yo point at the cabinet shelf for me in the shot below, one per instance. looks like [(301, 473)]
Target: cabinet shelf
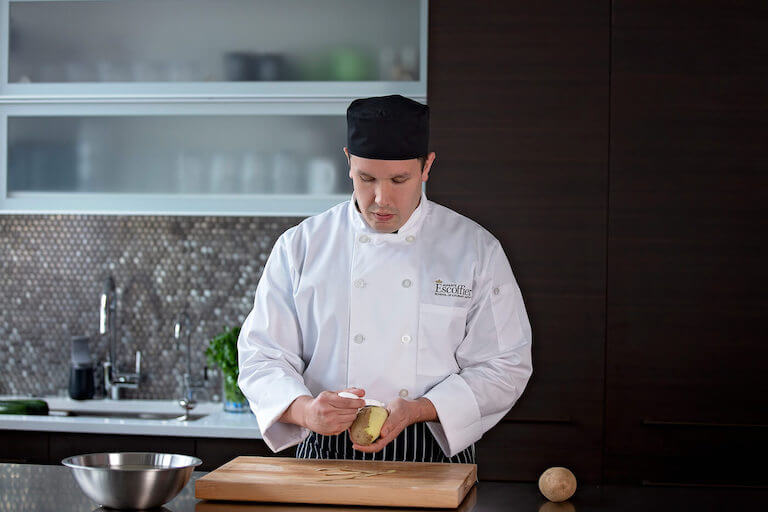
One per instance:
[(305, 92), (284, 205)]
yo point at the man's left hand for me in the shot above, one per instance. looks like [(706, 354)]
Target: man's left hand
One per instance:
[(402, 413)]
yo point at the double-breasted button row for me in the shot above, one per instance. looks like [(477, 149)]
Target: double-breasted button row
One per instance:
[(360, 283), (364, 239), (359, 338)]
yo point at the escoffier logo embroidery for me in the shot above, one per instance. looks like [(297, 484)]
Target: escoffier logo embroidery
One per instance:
[(452, 290)]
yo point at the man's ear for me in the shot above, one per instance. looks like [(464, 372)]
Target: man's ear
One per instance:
[(349, 161), (427, 166)]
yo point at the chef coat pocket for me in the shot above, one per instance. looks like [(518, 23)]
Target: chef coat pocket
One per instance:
[(441, 330)]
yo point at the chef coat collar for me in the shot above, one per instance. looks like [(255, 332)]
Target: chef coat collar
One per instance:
[(411, 226)]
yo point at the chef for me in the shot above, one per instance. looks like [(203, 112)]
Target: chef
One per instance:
[(390, 297)]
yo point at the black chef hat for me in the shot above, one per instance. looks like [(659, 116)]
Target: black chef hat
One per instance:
[(388, 128)]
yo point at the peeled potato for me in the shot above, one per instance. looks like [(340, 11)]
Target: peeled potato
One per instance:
[(557, 484), (367, 426)]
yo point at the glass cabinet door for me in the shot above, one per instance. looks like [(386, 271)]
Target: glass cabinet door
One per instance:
[(213, 45), (268, 158), (172, 154)]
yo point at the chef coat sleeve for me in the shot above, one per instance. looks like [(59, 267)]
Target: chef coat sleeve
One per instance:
[(494, 360), (269, 353)]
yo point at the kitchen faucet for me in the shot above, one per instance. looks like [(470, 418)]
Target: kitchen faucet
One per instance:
[(114, 380), (188, 402)]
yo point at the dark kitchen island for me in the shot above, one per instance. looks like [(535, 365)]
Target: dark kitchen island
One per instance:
[(31, 487)]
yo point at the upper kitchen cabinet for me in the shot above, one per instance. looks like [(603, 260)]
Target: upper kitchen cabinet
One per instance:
[(280, 48), (193, 106)]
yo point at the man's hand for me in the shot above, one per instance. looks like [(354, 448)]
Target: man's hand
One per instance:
[(402, 413), (330, 414)]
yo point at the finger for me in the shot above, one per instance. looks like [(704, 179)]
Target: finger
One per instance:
[(380, 443), (357, 391), (346, 420), (345, 403), (389, 426), (336, 416), (370, 448)]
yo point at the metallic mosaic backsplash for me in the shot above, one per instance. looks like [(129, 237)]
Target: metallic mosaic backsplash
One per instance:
[(52, 272)]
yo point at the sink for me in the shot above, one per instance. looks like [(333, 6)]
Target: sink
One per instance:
[(128, 415)]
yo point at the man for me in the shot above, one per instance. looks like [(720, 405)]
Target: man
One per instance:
[(391, 297)]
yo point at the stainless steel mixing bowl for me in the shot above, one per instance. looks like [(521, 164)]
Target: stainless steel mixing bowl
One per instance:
[(132, 480)]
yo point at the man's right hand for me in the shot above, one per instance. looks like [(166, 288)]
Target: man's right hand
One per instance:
[(330, 414)]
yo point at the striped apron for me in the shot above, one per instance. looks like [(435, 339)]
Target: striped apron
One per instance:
[(414, 444)]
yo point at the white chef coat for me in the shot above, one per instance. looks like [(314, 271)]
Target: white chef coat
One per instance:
[(433, 310)]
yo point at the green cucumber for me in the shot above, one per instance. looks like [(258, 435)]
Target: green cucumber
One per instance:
[(38, 407)]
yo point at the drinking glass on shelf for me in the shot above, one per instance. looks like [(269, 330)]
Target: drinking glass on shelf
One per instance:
[(321, 176), (79, 71), (287, 173), (179, 71), (50, 72), (224, 177), (254, 178), (109, 71), (148, 71), (189, 172), (409, 60)]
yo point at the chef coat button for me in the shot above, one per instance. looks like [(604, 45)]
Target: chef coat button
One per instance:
[(359, 338), (360, 283), (406, 339), (496, 291), (410, 238), (515, 359), (403, 393), (406, 283), (364, 239)]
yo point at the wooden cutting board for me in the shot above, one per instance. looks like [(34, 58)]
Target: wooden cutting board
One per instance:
[(468, 505), (339, 482)]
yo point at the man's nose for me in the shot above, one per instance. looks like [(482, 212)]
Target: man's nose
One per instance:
[(383, 195)]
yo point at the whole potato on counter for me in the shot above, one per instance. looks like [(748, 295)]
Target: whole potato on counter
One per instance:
[(557, 484)]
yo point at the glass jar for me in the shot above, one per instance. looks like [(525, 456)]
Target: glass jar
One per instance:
[(231, 396)]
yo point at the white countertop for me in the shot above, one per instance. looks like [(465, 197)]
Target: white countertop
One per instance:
[(216, 423)]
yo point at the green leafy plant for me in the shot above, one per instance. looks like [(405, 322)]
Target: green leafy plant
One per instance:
[(222, 351)]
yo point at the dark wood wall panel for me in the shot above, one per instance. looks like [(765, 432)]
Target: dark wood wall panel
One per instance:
[(215, 452), (687, 253), (518, 93), (65, 444), (515, 451)]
